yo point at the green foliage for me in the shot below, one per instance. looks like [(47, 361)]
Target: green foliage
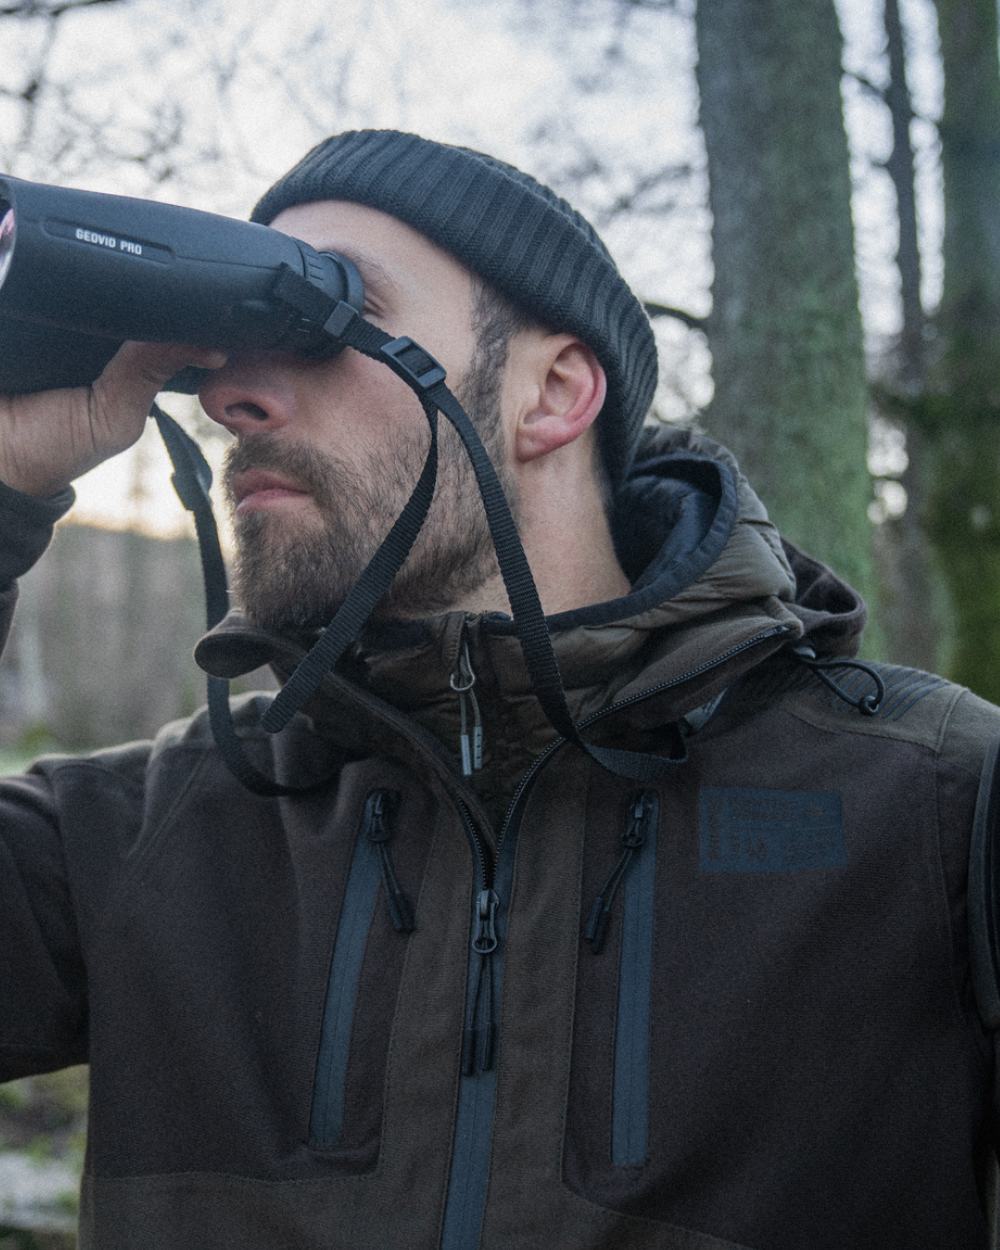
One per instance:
[(13, 1097), (34, 741), (50, 1108), (43, 1118), (22, 1239)]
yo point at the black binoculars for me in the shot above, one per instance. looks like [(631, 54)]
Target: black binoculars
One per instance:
[(81, 272)]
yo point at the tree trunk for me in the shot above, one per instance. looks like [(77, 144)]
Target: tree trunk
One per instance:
[(785, 330), (901, 167), (914, 598), (964, 505)]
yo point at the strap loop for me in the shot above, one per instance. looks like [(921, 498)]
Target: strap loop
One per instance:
[(425, 376)]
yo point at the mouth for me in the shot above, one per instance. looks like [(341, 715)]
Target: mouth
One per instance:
[(260, 488)]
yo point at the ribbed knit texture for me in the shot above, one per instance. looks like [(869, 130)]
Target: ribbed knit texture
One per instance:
[(512, 231)]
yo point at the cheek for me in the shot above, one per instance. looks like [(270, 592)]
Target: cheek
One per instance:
[(357, 402)]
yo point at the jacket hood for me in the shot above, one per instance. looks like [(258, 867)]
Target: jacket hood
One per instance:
[(650, 523), (709, 574)]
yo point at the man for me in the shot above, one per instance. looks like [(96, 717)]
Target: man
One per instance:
[(700, 980)]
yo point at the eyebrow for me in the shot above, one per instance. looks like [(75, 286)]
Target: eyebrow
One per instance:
[(373, 272)]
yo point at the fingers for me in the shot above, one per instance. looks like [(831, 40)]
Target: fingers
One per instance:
[(138, 372), (49, 438)]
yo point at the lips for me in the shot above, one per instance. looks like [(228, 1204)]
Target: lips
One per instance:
[(257, 488)]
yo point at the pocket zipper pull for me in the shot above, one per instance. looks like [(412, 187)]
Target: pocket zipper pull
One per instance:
[(379, 830), (632, 839)]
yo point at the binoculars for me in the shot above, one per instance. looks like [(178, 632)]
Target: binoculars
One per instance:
[(81, 272)]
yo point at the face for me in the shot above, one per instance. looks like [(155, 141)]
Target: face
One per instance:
[(327, 452)]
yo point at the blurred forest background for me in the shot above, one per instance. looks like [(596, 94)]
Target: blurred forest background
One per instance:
[(806, 196)]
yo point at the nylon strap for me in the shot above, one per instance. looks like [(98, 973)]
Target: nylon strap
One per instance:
[(192, 480), (418, 369)]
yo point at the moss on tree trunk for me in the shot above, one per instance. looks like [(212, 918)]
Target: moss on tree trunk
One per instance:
[(785, 331), (964, 415)]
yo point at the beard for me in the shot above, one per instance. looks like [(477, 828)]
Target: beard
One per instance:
[(291, 574)]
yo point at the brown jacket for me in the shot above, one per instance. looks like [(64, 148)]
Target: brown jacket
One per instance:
[(539, 1006)]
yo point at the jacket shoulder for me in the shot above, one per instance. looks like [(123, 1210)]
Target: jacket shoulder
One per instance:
[(971, 730), (297, 756), (118, 790), (959, 736), (915, 706), (976, 734), (194, 733)]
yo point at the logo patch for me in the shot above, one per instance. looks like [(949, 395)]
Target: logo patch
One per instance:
[(749, 830)]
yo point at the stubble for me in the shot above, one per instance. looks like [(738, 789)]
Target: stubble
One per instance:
[(293, 571)]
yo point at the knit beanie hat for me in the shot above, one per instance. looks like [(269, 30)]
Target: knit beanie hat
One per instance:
[(513, 232)]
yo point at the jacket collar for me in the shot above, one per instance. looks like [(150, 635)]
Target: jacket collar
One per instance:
[(709, 575)]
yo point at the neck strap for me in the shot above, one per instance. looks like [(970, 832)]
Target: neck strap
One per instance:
[(425, 377)]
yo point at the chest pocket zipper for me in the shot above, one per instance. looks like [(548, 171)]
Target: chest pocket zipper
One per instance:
[(378, 828), (371, 864), (634, 877)]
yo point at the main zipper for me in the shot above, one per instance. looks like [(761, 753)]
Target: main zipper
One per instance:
[(479, 1033), (479, 1040), (468, 1180), (485, 857), (777, 631)]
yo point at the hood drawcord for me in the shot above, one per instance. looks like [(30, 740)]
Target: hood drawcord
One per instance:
[(866, 704), (463, 681)]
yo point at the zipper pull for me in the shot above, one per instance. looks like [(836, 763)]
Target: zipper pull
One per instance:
[(484, 940), (479, 1038), (462, 681), (643, 806), (378, 810)]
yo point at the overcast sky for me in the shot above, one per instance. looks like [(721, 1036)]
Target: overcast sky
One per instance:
[(233, 93)]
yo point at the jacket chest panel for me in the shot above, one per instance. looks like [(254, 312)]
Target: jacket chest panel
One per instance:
[(260, 1038), (771, 1010), (671, 1089)]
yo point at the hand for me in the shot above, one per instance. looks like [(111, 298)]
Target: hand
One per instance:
[(49, 438)]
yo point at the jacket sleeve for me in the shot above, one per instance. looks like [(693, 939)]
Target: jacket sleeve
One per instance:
[(26, 527), (42, 981), (984, 889), (42, 1000)]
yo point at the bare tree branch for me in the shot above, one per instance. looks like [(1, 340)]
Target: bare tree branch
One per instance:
[(637, 198), (870, 87), (32, 8), (31, 93), (667, 310)]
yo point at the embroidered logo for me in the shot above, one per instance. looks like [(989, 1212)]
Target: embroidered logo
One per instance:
[(749, 830)]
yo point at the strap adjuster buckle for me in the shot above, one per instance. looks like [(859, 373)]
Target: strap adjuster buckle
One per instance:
[(413, 363), (340, 319)]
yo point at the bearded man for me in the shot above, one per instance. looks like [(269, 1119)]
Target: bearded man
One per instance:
[(690, 947)]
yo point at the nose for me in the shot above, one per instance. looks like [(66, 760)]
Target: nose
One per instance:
[(249, 394)]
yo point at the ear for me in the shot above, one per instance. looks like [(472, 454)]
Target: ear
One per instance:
[(570, 394)]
